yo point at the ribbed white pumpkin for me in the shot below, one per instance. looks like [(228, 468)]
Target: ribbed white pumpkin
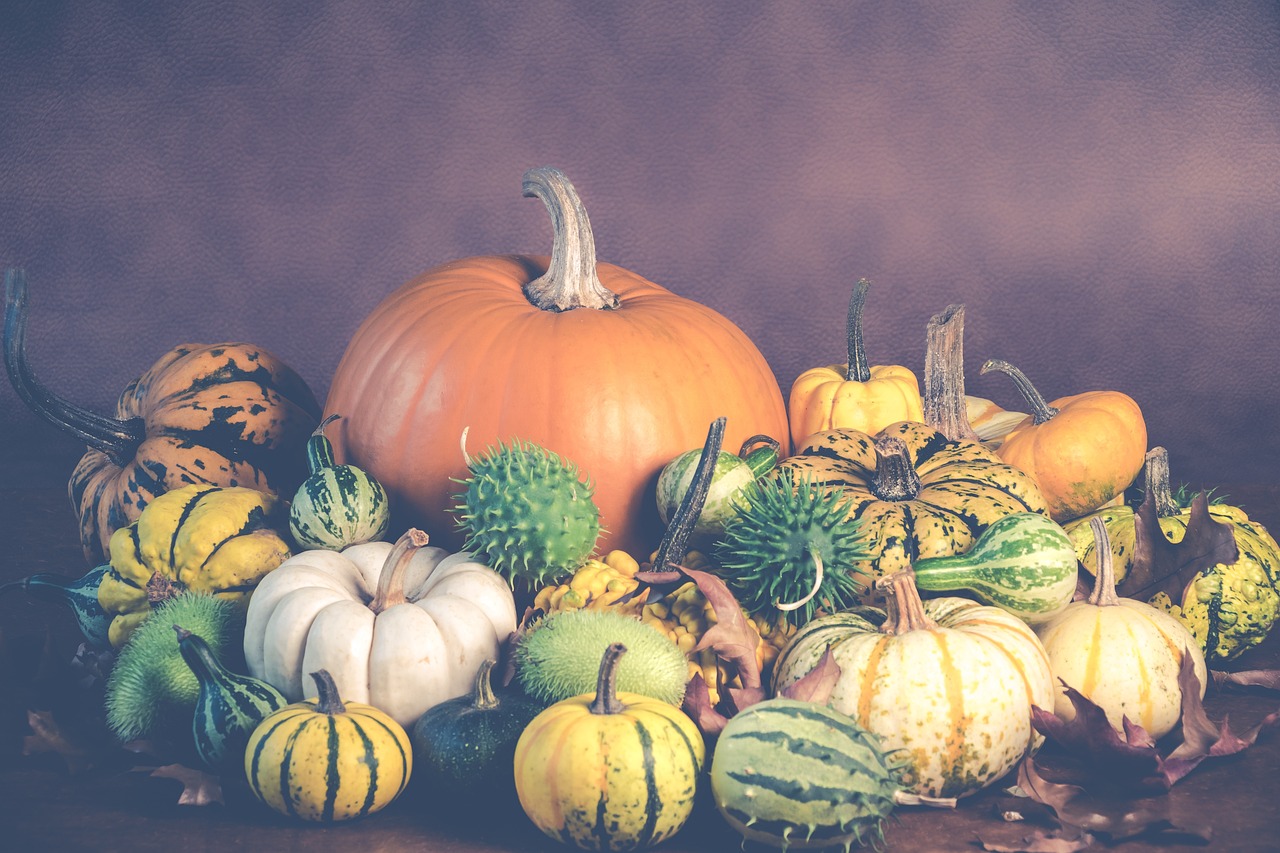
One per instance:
[(949, 682), (1122, 655), (400, 627)]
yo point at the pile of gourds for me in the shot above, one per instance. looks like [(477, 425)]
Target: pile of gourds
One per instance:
[(363, 658)]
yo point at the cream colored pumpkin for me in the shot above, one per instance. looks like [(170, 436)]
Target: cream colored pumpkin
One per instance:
[(1121, 654), (948, 683), (401, 628)]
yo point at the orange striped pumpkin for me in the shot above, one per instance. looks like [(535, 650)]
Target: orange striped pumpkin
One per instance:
[(949, 682)]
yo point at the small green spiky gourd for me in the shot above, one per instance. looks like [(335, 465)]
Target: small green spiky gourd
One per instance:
[(150, 679), (789, 550), (527, 514), (559, 657)]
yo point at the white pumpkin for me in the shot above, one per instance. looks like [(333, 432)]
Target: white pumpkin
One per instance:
[(946, 684), (400, 627), (1121, 654)]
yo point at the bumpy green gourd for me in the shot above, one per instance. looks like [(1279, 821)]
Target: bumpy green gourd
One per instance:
[(337, 505), (789, 550), (527, 514), (796, 775), (229, 706), (559, 657), (1024, 563), (80, 594), (150, 679)]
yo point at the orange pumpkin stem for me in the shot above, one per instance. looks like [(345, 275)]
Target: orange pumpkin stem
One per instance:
[(391, 580), (571, 280), (1156, 477), (857, 370), (606, 701), (906, 610), (328, 701), (896, 478), (118, 439), (944, 407), (1041, 412), (1104, 585)]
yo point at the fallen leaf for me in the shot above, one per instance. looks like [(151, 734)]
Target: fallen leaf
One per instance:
[(816, 684), (697, 704), (1268, 678), (198, 788), (48, 736), (1163, 566), (1045, 841), (1095, 748), (733, 638)]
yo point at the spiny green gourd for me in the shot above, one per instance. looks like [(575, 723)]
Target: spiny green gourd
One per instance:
[(150, 679), (797, 775), (527, 513), (790, 550), (560, 657)]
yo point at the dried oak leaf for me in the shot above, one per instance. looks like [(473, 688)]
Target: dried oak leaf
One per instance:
[(1266, 678), (1095, 747), (697, 704), (1163, 566), (198, 788), (816, 684), (48, 736)]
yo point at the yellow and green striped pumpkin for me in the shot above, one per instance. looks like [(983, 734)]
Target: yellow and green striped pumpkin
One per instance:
[(202, 538), (947, 684), (325, 760), (609, 771), (917, 493)]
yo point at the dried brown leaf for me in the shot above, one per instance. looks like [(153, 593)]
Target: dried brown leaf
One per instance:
[(198, 788), (733, 638), (697, 704), (1163, 566), (816, 684), (1096, 747), (1266, 678), (48, 736)]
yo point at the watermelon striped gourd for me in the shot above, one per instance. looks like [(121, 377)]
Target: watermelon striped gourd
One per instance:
[(80, 594), (325, 760), (1024, 563), (337, 505), (794, 774), (228, 708)]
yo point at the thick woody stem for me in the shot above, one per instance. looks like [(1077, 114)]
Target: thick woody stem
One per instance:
[(1104, 585), (570, 280), (896, 478), (1156, 477), (944, 405), (327, 699), (483, 698), (906, 610), (391, 580), (606, 701), (858, 369), (1040, 410)]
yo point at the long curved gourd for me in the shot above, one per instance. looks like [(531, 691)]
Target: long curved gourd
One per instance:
[(227, 414), (400, 627), (588, 360)]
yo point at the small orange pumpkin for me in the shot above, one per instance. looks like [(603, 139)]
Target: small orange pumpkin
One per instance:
[(1082, 450), (591, 361)]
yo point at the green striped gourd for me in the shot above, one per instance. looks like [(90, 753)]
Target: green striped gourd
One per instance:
[(80, 594), (229, 706), (326, 760), (732, 473), (1024, 563), (793, 774), (337, 505)]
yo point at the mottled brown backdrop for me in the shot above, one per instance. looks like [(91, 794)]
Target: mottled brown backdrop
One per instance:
[(1098, 182)]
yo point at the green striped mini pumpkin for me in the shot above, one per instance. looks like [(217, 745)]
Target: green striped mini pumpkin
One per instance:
[(337, 505), (796, 775), (229, 706), (324, 760)]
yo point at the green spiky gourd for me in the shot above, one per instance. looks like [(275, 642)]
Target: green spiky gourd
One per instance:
[(789, 549), (150, 680), (796, 775), (559, 657), (527, 514)]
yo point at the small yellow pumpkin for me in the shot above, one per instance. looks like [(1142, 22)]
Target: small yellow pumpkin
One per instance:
[(855, 395), (613, 771), (325, 760)]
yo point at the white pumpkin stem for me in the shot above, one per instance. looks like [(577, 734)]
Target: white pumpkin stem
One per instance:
[(1041, 412), (944, 406), (1104, 584), (571, 280), (817, 583), (391, 580), (906, 610)]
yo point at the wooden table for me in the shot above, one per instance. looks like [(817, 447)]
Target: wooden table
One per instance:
[(43, 805)]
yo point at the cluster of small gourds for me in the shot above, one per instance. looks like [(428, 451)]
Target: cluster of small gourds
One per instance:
[(886, 493)]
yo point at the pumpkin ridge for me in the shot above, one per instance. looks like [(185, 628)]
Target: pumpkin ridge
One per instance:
[(653, 799), (332, 778), (394, 738)]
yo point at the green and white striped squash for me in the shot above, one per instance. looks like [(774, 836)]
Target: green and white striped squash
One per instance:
[(325, 760), (229, 706), (80, 594), (797, 775), (731, 475), (949, 682), (337, 505), (1024, 563)]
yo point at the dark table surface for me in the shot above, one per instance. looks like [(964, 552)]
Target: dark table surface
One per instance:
[(43, 805)]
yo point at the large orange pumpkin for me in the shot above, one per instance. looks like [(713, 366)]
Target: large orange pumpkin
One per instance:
[(589, 360)]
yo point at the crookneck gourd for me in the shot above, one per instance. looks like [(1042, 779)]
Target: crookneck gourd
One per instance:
[(916, 492), (199, 538), (229, 414)]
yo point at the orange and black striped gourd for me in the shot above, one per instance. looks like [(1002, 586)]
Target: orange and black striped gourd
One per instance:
[(228, 414), (326, 760)]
